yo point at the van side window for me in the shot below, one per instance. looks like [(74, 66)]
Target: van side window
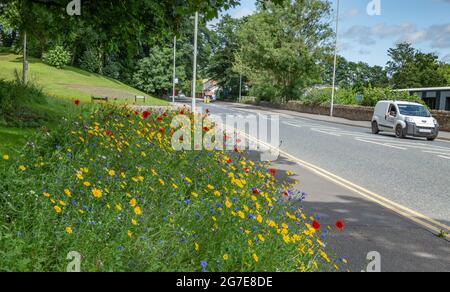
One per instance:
[(392, 110)]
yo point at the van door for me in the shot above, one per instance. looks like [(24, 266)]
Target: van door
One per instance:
[(391, 115)]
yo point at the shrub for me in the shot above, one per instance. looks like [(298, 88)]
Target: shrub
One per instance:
[(18, 104), (57, 57), (249, 100), (369, 96), (90, 61)]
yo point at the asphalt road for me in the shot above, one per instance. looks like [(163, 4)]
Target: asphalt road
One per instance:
[(412, 172)]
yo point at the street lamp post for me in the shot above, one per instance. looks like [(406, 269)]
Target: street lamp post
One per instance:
[(335, 60), (174, 67), (194, 75), (240, 87)]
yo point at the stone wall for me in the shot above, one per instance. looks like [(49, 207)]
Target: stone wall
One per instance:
[(350, 112)]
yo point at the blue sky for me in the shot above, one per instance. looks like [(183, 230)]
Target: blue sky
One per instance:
[(424, 23)]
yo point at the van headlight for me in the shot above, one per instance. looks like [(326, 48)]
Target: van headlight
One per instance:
[(410, 120)]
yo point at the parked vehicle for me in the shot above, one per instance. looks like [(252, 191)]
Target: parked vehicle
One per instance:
[(404, 119)]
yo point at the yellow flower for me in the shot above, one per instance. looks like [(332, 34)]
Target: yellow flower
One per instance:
[(62, 203), (197, 247), (47, 195), (133, 202), (137, 211), (217, 193), (188, 180), (67, 192), (111, 173), (241, 214), (255, 257), (210, 187), (260, 237), (228, 204), (130, 233), (69, 230), (87, 184), (97, 193), (6, 157), (194, 194), (259, 218), (22, 168), (79, 176), (134, 222), (225, 257), (57, 209), (162, 182)]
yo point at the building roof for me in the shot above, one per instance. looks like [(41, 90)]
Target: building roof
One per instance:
[(426, 89)]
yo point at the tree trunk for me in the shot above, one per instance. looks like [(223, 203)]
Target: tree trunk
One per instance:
[(25, 59)]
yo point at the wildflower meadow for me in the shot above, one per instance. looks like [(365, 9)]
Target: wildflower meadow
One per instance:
[(109, 186)]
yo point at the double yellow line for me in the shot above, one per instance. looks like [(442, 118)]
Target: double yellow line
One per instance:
[(432, 225)]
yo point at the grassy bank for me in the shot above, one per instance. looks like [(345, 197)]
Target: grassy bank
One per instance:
[(70, 83), (109, 186)]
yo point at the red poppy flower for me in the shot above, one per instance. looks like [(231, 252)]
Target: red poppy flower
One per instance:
[(247, 170), (160, 119), (316, 225), (161, 130), (273, 171), (236, 150), (109, 133), (182, 112), (286, 194), (145, 114), (229, 161), (340, 225), (136, 113), (77, 102), (207, 111), (165, 114), (255, 191), (206, 129), (225, 137)]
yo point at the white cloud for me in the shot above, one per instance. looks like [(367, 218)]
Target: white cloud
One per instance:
[(436, 35), (241, 13)]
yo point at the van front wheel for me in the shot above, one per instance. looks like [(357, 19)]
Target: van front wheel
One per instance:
[(375, 129), (400, 132)]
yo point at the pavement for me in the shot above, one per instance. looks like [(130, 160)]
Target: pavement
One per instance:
[(393, 194)]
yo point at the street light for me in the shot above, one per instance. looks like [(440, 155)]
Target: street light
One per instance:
[(174, 67), (335, 60), (194, 75), (240, 87)]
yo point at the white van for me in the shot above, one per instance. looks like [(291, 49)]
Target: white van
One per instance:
[(404, 119)]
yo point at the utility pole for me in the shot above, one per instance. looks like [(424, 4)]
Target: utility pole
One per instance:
[(174, 67), (194, 75), (240, 87), (25, 59), (335, 60)]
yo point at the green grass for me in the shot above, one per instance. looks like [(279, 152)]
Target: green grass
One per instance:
[(65, 83), (11, 138)]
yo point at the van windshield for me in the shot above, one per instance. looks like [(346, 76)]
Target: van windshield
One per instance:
[(414, 110)]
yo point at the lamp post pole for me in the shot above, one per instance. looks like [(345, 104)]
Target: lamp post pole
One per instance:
[(194, 75), (174, 67), (335, 60)]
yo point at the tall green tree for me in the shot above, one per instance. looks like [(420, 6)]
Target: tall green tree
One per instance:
[(281, 46), (411, 68), (224, 47)]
